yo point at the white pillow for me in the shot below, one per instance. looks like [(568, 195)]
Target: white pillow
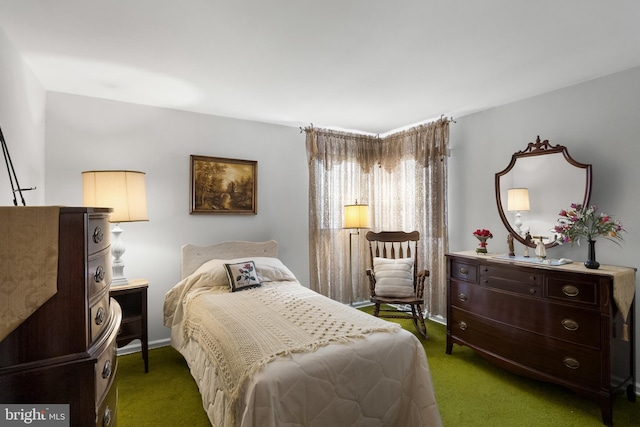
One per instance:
[(394, 277), (269, 269), (272, 270)]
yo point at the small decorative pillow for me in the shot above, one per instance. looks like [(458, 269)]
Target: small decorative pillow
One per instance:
[(394, 277), (242, 275)]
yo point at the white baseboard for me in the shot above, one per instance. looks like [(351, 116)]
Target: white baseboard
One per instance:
[(136, 346)]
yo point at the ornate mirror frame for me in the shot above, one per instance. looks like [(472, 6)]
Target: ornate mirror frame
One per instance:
[(557, 176)]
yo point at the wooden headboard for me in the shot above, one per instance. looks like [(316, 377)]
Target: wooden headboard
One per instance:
[(193, 257)]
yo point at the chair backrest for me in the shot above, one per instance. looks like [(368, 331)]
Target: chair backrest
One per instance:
[(394, 244)]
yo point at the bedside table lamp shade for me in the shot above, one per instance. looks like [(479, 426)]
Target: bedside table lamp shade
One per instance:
[(124, 192)]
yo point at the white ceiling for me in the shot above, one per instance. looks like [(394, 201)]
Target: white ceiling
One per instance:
[(367, 65)]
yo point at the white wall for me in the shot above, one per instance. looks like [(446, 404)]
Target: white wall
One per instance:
[(91, 134), (598, 121), (22, 104)]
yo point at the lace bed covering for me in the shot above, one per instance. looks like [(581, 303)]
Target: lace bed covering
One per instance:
[(243, 331)]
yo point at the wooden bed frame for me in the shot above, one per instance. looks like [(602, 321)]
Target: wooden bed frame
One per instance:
[(193, 256)]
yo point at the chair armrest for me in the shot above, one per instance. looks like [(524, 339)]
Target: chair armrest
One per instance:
[(372, 282), (420, 279)]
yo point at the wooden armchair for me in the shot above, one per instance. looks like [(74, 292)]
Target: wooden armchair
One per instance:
[(394, 278)]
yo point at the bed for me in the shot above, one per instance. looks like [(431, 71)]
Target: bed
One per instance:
[(279, 354)]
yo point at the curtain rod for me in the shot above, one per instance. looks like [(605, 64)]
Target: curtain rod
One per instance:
[(442, 117)]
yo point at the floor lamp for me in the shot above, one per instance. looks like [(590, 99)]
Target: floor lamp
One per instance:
[(124, 192), (13, 178), (355, 217)]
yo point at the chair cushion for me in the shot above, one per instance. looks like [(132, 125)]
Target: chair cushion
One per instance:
[(242, 275), (394, 277)]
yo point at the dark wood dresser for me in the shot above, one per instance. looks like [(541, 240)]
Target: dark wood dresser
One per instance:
[(553, 323), (65, 352)]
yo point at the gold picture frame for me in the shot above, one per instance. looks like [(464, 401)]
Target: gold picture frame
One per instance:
[(223, 186)]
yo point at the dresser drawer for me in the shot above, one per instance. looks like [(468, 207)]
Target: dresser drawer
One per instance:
[(99, 316), (573, 324), (97, 233), (518, 281), (545, 356), (107, 411), (501, 306), (98, 272), (464, 271), (572, 289), (106, 368), (106, 358)]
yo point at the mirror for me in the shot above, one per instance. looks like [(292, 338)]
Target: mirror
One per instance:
[(540, 181)]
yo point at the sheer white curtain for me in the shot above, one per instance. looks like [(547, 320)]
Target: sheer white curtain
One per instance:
[(402, 177), (339, 165)]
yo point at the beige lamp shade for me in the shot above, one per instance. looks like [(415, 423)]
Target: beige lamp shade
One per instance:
[(356, 216), (123, 191), (517, 199)]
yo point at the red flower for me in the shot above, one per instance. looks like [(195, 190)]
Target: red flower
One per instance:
[(483, 233)]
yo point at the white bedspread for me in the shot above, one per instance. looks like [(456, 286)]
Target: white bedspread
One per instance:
[(381, 379)]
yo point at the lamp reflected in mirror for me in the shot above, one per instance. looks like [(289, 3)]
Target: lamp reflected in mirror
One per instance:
[(518, 201)]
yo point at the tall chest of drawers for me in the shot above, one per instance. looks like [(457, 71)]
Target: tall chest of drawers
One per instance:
[(554, 324), (65, 352)]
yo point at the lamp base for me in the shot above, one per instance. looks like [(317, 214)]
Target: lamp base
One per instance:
[(517, 224), (119, 281), (117, 250)]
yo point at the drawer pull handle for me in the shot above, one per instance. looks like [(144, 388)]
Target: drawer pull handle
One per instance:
[(106, 370), (532, 278), (462, 297), (106, 420), (98, 235), (100, 315), (532, 291), (463, 326), (464, 270), (570, 324), (99, 275), (570, 290), (571, 363)]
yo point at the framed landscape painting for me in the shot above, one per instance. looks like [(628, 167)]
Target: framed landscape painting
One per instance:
[(224, 186)]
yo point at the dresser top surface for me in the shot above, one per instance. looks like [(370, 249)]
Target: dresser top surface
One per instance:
[(574, 267)]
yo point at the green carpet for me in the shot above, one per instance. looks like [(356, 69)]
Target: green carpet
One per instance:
[(470, 392)]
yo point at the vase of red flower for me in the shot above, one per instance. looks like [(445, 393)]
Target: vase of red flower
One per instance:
[(482, 235)]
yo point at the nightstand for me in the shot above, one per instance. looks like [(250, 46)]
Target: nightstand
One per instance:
[(132, 298)]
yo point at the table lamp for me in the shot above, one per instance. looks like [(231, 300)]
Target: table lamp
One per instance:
[(518, 201), (125, 193)]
